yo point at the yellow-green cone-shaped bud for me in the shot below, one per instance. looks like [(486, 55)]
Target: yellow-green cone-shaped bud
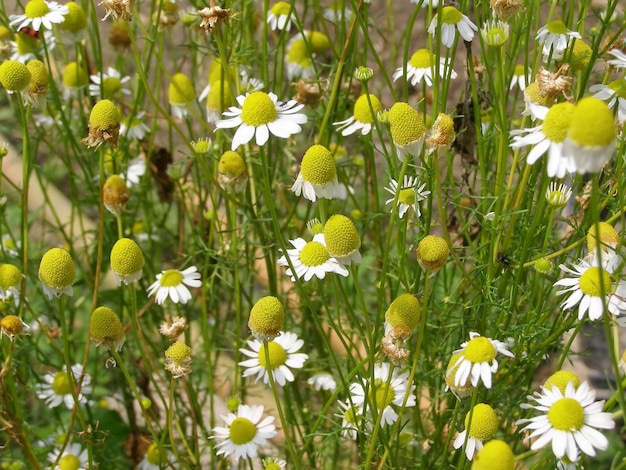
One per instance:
[(126, 261), (432, 252), (57, 273), (342, 239), (267, 318), (14, 76), (105, 329), (403, 315)]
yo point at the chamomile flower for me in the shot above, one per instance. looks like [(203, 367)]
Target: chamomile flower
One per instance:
[(106, 329), (14, 76), (495, 455), (548, 138), (311, 259), (557, 194), (244, 432), (407, 128), (126, 261), (495, 33), (387, 390), (115, 194), (318, 176), (619, 61), (267, 318), (132, 127), (109, 85), (409, 195), (482, 427), (181, 94), (342, 239), (451, 20), (554, 37), (12, 326), (569, 421), (323, 381), (520, 77), (280, 16), (591, 136), (156, 457), (10, 282), (350, 415), (38, 14), (283, 357), (57, 273), (274, 464), (590, 287), (422, 66), (173, 284), (614, 94), (261, 114), (57, 388), (365, 109), (432, 253), (178, 359), (73, 457), (477, 360)]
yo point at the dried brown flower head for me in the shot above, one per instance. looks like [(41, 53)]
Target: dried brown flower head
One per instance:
[(506, 9), (118, 9), (308, 93), (213, 15), (173, 327), (552, 85)]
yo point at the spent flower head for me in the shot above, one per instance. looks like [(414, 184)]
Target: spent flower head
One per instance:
[(115, 194), (407, 129), (178, 359), (342, 239), (13, 326), (104, 124), (126, 261), (267, 318), (106, 329)]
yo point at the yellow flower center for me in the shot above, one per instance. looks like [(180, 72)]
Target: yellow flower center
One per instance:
[(241, 431), (595, 282), (280, 8), (382, 394), (450, 15), (36, 9), (39, 76), (75, 20), (69, 462), (14, 76), (422, 59), (171, 278), (231, 164), (533, 92), (404, 313), (593, 124), (217, 93), (61, 384), (127, 258), (362, 111), (10, 276), (567, 414), (314, 254), (318, 166), (181, 90), (277, 356), (318, 41), (350, 415), (619, 87), (258, 109), (154, 455), (606, 233), (432, 251), (105, 328), (556, 27), (406, 124), (267, 316), (495, 454), (341, 236), (560, 379), (11, 325), (557, 122), (111, 86), (520, 69), (480, 350), (104, 115), (484, 422), (407, 196), (75, 76), (178, 353), (57, 269)]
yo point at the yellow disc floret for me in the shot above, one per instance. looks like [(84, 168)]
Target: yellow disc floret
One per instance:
[(318, 42), (480, 349), (181, 90), (557, 121), (75, 20), (258, 109), (406, 124), (36, 9), (342, 239), (318, 166), (609, 238), (422, 59), (593, 124), (57, 272), (231, 164), (75, 76), (127, 260), (495, 455), (403, 315), (432, 252), (14, 76), (105, 329), (104, 115), (450, 15), (484, 422), (362, 110), (10, 276), (38, 76), (178, 353), (267, 318), (12, 326), (560, 379)]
